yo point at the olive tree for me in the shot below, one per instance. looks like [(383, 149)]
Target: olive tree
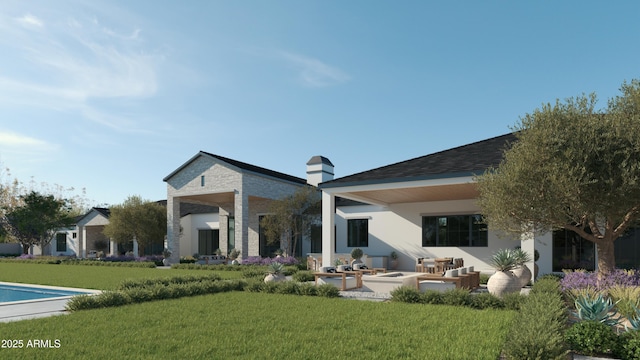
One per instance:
[(137, 219), (290, 218), (35, 220), (572, 167)]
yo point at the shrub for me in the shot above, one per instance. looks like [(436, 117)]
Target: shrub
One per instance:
[(457, 297), (303, 276), (484, 278), (431, 296), (288, 288), (628, 346), (254, 272), (308, 289), (591, 338), (537, 330), (513, 301), (582, 279), (406, 294), (327, 290), (254, 285), (486, 301), (546, 284)]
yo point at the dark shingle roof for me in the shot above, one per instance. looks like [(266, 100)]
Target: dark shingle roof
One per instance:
[(464, 160), (104, 211), (243, 166)]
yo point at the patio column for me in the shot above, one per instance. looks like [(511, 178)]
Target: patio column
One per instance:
[(114, 247), (173, 228), (528, 245), (241, 210), (83, 242), (328, 228)]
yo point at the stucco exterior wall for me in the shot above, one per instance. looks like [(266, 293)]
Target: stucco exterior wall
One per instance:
[(399, 227), (190, 226)]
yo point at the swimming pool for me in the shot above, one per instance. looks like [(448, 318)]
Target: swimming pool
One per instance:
[(10, 292)]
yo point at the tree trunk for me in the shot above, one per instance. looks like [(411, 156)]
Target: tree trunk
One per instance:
[(606, 257)]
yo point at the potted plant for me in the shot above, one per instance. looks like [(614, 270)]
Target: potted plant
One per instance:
[(356, 255), (503, 281), (521, 271), (340, 266), (218, 252), (166, 254), (233, 255), (275, 272), (394, 260), (279, 253)]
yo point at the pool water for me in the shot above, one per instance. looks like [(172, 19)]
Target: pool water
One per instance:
[(9, 293)]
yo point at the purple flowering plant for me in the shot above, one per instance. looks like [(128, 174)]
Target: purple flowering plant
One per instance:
[(575, 280)]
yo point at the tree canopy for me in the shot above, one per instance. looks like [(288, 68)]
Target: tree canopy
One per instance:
[(36, 219), (142, 220), (574, 167), (290, 218)]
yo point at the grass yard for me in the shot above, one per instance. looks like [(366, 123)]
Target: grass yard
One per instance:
[(89, 277), (243, 325)]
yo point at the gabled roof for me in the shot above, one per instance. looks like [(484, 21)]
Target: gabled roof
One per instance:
[(466, 160), (243, 166)]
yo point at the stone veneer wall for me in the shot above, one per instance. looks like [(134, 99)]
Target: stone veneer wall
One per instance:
[(251, 193)]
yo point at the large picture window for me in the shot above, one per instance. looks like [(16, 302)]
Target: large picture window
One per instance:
[(454, 230), (357, 233)]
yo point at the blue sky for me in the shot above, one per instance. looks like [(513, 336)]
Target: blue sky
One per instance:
[(112, 96)]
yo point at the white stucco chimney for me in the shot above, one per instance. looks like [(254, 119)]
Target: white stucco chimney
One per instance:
[(319, 169)]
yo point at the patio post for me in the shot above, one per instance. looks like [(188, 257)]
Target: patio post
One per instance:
[(328, 228)]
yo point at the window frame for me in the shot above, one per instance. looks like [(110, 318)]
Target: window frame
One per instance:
[(449, 231), (361, 234)]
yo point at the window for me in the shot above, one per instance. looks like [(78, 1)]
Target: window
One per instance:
[(357, 233), (74, 235), (570, 251), (267, 247), (316, 238), (454, 230), (231, 233), (202, 180), (61, 242), (208, 241)]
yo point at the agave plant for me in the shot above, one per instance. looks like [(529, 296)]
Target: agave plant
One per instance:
[(503, 260), (275, 269), (597, 308), (521, 257)]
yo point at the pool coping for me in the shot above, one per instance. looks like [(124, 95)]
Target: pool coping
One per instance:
[(37, 308)]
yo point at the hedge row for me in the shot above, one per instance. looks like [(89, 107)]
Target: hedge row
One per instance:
[(150, 293), (456, 297)]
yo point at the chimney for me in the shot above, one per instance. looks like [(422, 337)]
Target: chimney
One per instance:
[(319, 169)]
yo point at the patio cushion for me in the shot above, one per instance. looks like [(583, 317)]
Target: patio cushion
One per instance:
[(451, 273)]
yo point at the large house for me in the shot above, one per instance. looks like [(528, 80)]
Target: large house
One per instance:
[(422, 207)]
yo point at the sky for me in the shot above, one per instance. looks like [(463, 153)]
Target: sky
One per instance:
[(112, 96)]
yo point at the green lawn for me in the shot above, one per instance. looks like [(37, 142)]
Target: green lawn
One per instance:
[(256, 326), (89, 277)]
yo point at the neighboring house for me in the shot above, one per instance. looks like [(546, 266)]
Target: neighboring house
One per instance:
[(241, 192), (90, 228), (64, 243)]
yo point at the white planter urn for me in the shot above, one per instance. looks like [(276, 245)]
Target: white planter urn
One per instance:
[(503, 282), (523, 273), (166, 262), (276, 278)]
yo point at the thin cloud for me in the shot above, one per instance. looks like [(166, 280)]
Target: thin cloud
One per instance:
[(30, 20), (74, 60), (315, 73)]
